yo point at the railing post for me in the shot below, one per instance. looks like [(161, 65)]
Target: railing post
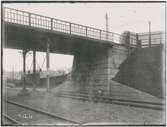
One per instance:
[(70, 28), (107, 35), (137, 40), (86, 31), (29, 19), (51, 23), (128, 42), (17, 18), (100, 34), (113, 37), (160, 38)]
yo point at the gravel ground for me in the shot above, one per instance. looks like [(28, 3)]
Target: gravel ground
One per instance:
[(88, 112), (29, 117), (6, 121), (118, 91)]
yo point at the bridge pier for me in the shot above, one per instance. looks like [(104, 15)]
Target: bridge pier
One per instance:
[(93, 70), (90, 70)]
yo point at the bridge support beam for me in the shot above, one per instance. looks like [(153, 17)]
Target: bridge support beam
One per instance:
[(24, 69), (48, 65), (34, 70)]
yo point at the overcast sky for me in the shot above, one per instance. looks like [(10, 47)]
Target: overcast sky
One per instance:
[(122, 16)]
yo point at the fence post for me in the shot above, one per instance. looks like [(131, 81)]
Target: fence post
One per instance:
[(29, 19), (100, 34)]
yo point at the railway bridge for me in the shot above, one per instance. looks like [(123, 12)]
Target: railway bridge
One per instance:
[(97, 53)]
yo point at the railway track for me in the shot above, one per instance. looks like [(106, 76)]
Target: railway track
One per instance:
[(10, 120), (14, 114), (82, 94), (86, 97)]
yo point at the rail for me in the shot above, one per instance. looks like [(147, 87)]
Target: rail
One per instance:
[(11, 119), (103, 99), (53, 24), (73, 122)]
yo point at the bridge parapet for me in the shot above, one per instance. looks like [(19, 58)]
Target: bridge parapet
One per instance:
[(142, 39), (53, 24)]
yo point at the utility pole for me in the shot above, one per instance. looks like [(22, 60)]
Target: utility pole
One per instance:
[(106, 26), (149, 33)]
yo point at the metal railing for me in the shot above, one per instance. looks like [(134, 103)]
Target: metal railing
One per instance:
[(53, 24), (157, 38)]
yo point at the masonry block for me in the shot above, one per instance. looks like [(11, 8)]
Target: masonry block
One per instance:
[(93, 69)]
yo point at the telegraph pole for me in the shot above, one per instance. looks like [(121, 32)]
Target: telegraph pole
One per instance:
[(149, 33), (106, 26)]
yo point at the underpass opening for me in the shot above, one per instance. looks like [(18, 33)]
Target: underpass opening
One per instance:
[(60, 68)]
